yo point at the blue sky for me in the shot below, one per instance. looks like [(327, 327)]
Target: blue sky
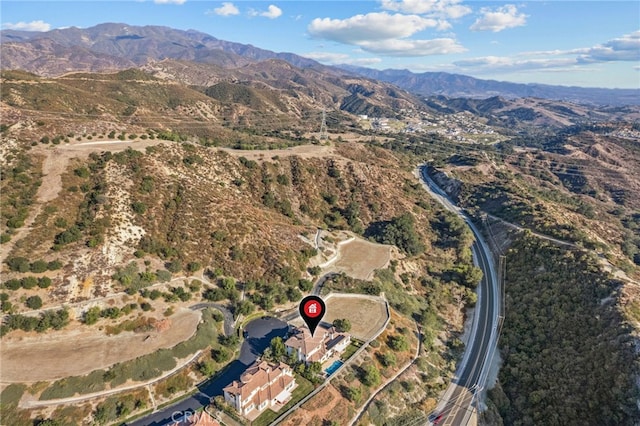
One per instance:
[(579, 43)]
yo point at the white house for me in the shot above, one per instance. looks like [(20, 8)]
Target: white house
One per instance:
[(263, 385), (326, 343)]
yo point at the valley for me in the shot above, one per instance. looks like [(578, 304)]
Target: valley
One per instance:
[(163, 217)]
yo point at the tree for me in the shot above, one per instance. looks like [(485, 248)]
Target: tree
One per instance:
[(278, 350), (193, 267), (342, 324), (354, 394), (92, 315), (370, 376), (398, 343), (19, 264), (244, 307), (174, 267), (220, 355), (206, 368), (315, 270), (44, 282), (29, 282), (54, 265), (305, 285), (388, 359), (33, 302), (38, 266), (12, 284)]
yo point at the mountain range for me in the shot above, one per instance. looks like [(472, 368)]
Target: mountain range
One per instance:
[(115, 46)]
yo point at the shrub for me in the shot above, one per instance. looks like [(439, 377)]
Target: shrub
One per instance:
[(29, 282), (38, 266), (44, 282), (54, 265), (12, 284), (33, 302), (398, 343), (19, 264)]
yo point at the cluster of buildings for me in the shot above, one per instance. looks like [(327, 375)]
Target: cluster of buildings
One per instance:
[(267, 384), (457, 126)]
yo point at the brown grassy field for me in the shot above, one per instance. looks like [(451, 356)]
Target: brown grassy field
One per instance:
[(359, 259), (80, 350), (367, 315)]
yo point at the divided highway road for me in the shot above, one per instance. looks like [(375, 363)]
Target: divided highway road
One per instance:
[(460, 399)]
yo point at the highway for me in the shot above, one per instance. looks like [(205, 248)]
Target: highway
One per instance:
[(457, 406)]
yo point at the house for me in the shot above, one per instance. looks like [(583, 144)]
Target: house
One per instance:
[(263, 385), (326, 343)]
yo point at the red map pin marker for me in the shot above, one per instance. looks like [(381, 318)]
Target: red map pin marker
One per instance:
[(312, 309)]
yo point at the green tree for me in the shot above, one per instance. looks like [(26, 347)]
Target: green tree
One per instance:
[(398, 343), (278, 350), (174, 267), (220, 355), (33, 302), (44, 282), (343, 325), (38, 266), (92, 315), (370, 376), (207, 368)]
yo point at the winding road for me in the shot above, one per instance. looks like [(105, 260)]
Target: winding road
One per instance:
[(459, 402), (259, 334)]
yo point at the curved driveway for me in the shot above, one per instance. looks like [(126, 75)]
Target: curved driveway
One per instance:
[(457, 405), (259, 334)]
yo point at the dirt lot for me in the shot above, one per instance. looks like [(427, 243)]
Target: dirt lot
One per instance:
[(366, 313), (81, 350), (359, 258), (327, 405)]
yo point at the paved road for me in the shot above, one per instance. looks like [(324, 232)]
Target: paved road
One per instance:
[(226, 313), (457, 405), (259, 335)]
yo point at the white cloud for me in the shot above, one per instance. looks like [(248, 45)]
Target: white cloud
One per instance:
[(27, 26), (340, 58), (440, 8), (508, 64), (386, 34), (399, 47), (621, 49), (625, 48), (272, 12), (500, 19), (169, 1), (370, 27), (227, 9)]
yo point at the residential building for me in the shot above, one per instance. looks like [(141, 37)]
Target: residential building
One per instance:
[(263, 385), (326, 343)]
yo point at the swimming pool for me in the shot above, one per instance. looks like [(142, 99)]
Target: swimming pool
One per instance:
[(333, 367)]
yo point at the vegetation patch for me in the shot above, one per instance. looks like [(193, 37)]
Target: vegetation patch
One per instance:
[(560, 340)]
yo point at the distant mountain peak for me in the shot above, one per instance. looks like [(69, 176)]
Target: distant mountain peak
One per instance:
[(111, 46)]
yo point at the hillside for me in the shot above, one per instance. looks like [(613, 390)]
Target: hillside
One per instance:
[(116, 46), (462, 86), (132, 197)]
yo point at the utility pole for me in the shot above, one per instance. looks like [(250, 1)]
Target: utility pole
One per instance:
[(323, 127)]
